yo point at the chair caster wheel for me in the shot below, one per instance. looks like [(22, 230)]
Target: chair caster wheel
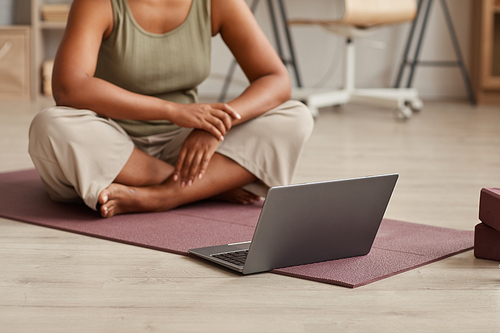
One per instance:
[(404, 113), (416, 105)]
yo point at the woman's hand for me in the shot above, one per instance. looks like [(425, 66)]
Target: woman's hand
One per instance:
[(215, 119), (196, 153)]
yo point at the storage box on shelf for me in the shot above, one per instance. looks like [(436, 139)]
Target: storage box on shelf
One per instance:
[(55, 12), (46, 17), (14, 63)]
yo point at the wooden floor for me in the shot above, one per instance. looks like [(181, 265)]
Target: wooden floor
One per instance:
[(53, 281)]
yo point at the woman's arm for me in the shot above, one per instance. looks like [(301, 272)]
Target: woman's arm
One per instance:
[(269, 81), (74, 84), (268, 76)]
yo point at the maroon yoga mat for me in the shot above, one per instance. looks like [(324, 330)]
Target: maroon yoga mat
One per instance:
[(399, 246)]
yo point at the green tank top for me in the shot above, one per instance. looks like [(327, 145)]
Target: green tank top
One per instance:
[(169, 66)]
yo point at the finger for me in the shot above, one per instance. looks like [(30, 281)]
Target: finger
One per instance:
[(186, 168), (178, 164), (228, 109), (194, 170), (218, 123), (210, 128), (225, 118), (204, 165)]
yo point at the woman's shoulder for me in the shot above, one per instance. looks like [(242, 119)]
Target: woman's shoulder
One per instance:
[(100, 4), (226, 6), (226, 12), (92, 12), (96, 8)]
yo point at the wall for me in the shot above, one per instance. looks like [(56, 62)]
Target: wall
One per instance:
[(6, 12), (319, 53)]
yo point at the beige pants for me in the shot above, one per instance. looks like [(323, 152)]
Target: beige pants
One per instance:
[(78, 154)]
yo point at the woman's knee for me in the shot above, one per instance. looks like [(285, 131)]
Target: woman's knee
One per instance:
[(52, 122), (39, 123), (305, 121), (40, 130), (299, 121)]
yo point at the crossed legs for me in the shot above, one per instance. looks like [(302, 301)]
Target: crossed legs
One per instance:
[(145, 184), (81, 156)]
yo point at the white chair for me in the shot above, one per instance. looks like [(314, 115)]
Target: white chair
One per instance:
[(355, 19)]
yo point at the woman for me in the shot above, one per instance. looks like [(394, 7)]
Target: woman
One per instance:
[(127, 134)]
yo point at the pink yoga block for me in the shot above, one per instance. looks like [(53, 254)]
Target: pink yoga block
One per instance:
[(489, 207), (486, 243)]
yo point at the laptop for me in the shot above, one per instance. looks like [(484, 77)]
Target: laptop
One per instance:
[(309, 223)]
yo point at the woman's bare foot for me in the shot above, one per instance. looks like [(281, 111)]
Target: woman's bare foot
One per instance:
[(223, 174), (238, 196), (119, 199)]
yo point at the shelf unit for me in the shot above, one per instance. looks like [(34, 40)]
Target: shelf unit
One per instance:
[(485, 57), (39, 30), (15, 62)]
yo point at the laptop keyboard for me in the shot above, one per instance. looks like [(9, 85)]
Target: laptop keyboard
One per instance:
[(236, 258)]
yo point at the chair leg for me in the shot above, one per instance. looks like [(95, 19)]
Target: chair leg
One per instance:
[(316, 100), (350, 65), (404, 100), (458, 53), (451, 29), (419, 44), (408, 45)]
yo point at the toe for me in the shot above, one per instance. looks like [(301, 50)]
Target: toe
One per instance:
[(104, 197), (104, 211)]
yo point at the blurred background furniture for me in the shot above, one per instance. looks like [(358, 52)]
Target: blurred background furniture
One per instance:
[(485, 51), (277, 18), (424, 9), (357, 19), (48, 21), (15, 63)]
